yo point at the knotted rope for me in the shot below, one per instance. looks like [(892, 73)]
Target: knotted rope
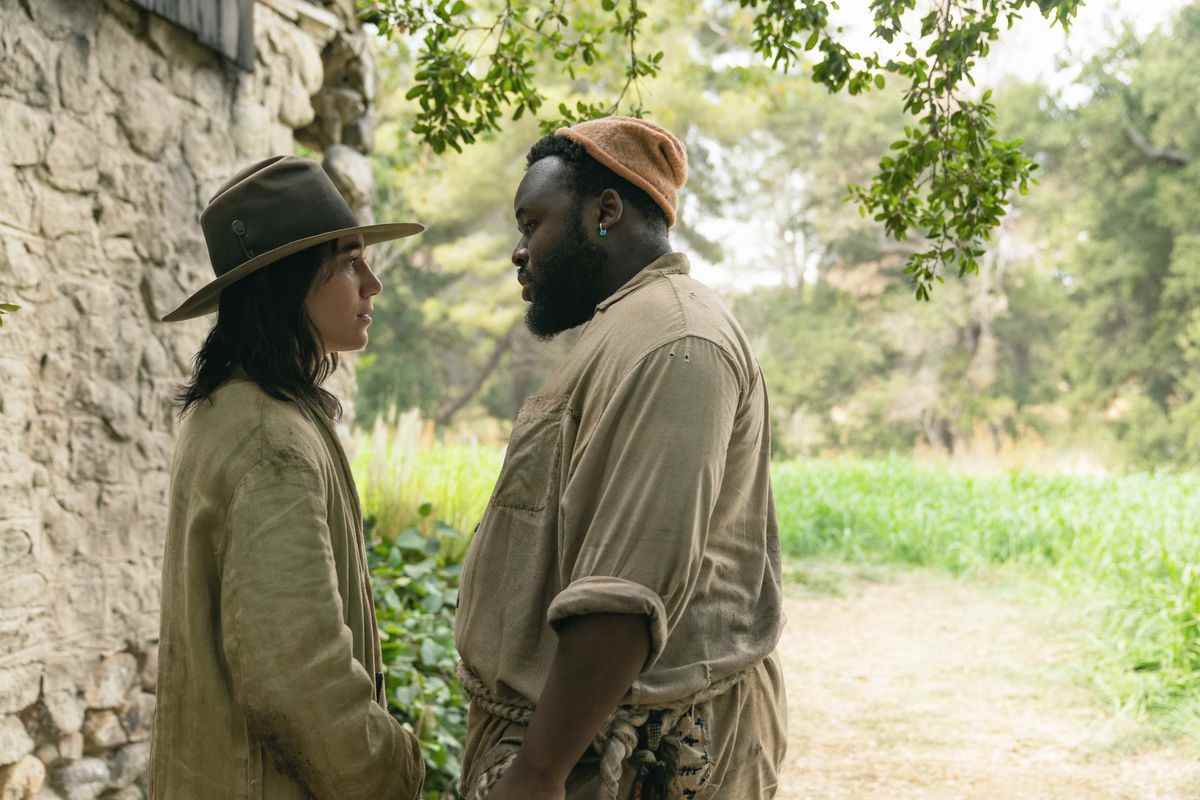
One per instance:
[(680, 770)]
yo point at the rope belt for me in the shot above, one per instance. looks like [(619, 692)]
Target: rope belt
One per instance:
[(672, 755)]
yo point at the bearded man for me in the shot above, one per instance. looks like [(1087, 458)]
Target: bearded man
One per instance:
[(621, 601)]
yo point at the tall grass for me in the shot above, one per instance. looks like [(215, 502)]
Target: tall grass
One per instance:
[(1129, 546), (399, 468)]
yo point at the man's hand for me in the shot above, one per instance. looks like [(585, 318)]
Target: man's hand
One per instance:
[(521, 783), (598, 658)]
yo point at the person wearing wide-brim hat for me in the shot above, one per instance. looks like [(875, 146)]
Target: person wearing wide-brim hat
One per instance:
[(270, 673)]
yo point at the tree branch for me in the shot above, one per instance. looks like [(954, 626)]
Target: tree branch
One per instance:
[(502, 346), (1161, 155)]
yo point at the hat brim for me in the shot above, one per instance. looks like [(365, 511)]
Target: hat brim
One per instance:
[(206, 299)]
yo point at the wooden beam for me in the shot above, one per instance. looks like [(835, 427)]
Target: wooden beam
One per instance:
[(226, 26)]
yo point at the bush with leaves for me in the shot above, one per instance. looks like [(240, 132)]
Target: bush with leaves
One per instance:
[(415, 574)]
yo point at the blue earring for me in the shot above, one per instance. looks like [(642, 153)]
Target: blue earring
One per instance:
[(603, 232)]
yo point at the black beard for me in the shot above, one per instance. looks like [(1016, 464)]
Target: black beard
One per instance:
[(568, 287)]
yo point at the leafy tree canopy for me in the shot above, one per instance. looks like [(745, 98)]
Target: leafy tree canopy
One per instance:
[(946, 179)]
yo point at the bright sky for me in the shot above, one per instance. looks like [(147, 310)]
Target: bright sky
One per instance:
[(1032, 50)]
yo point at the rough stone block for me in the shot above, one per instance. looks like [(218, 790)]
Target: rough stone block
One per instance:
[(96, 457), (302, 55), (22, 780), (149, 674), (78, 82), (130, 177), (137, 716), (146, 117), (17, 209), (129, 764), (118, 218), (61, 528), (280, 138), (28, 590), (73, 157), (250, 123), (16, 546), (15, 743), (295, 107), (113, 404), (102, 731), (119, 251), (59, 19), (84, 779), (23, 70), (122, 59), (70, 746), (60, 697), (63, 213), (19, 686), (206, 149), (351, 173), (26, 133), (23, 261), (45, 753), (110, 681)]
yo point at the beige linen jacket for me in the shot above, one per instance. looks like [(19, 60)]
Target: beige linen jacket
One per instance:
[(270, 682)]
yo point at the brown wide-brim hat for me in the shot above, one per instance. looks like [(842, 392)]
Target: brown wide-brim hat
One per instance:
[(267, 212)]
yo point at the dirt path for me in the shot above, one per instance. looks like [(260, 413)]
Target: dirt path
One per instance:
[(918, 686)]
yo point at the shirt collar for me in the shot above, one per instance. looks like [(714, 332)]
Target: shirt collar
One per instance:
[(670, 264)]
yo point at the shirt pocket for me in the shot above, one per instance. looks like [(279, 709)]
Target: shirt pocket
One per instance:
[(531, 465)]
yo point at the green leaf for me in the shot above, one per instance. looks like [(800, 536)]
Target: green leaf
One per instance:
[(425, 509), (419, 569), (430, 653), (411, 540), (433, 602)]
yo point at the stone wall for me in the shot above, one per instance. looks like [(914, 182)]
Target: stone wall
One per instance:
[(115, 128)]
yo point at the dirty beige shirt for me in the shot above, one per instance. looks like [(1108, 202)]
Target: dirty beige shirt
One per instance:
[(636, 482), (269, 676)]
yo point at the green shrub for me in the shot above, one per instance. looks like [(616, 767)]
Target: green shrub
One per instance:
[(415, 575)]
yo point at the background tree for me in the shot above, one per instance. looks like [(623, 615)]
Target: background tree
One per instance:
[(1133, 267), (1074, 330)]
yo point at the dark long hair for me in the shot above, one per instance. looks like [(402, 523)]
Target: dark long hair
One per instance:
[(263, 327)]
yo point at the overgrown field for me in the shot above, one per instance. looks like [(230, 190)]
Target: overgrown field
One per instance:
[(1127, 548)]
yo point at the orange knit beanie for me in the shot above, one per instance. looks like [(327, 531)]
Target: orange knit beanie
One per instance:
[(642, 153)]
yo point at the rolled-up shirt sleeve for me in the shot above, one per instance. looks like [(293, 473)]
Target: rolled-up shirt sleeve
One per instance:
[(641, 491)]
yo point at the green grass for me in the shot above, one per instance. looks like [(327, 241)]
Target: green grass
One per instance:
[(1125, 549), (397, 474)]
